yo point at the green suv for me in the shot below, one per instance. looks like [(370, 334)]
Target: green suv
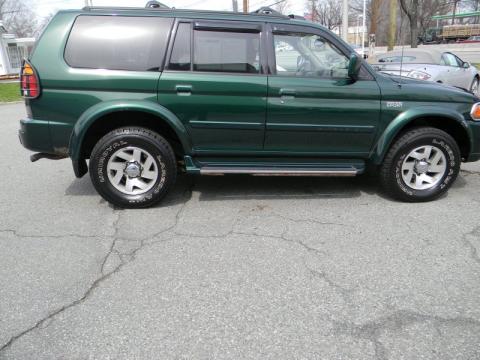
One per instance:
[(149, 92)]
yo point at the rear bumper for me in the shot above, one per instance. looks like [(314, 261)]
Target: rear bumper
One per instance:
[(35, 135)]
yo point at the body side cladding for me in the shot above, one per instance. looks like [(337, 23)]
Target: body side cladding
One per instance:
[(96, 112), (404, 118)]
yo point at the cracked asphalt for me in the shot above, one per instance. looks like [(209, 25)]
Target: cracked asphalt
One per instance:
[(233, 268)]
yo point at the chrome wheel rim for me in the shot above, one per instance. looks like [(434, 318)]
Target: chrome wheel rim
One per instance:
[(132, 170), (474, 88), (424, 167)]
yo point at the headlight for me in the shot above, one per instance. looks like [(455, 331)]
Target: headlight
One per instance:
[(475, 113), (419, 75)]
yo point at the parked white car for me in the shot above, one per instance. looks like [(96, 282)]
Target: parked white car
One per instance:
[(430, 65)]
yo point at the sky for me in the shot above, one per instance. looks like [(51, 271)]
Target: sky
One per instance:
[(45, 7)]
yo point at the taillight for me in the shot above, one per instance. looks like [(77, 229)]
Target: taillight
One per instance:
[(30, 85)]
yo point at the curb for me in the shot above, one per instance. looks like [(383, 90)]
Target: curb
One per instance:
[(11, 102)]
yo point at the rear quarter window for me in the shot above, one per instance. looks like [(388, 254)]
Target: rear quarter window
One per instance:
[(118, 43)]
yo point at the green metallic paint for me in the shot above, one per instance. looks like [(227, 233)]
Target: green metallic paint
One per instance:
[(419, 99), (222, 112), (400, 121), (233, 118), (315, 119), (35, 135), (101, 109)]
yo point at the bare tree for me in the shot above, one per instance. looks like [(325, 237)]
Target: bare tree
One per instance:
[(376, 16), (326, 12), (18, 17), (282, 7), (429, 8), (410, 8), (392, 24), (43, 24), (420, 13)]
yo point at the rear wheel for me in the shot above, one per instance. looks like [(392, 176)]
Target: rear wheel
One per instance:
[(132, 167), (421, 165)]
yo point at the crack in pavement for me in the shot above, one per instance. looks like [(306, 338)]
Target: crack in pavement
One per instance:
[(473, 250), (344, 292), (312, 221), (396, 321), (40, 324), (469, 172), (19, 235)]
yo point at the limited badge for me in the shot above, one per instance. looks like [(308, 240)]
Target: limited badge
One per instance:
[(394, 104)]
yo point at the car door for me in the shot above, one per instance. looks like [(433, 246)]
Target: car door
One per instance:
[(465, 74), (215, 83), (313, 107), (454, 74)]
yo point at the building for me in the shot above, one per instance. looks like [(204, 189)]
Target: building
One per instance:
[(12, 51)]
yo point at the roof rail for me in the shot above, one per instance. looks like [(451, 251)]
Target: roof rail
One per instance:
[(296, 17), (265, 10), (156, 5)]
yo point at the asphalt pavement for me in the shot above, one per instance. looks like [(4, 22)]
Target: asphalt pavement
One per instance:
[(233, 267)]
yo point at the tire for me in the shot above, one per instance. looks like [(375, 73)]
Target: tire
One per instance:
[(132, 167), (405, 176), (474, 87)]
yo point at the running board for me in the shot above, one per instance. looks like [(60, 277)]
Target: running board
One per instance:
[(273, 171)]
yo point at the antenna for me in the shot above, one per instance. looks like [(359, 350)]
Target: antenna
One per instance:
[(403, 47)]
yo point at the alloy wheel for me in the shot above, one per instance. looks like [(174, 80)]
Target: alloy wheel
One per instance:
[(132, 170), (424, 167)]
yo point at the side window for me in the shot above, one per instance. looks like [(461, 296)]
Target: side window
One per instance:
[(459, 62), (449, 60), (220, 51), (181, 54), (299, 54), (118, 42)]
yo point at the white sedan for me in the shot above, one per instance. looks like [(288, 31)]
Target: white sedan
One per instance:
[(430, 65)]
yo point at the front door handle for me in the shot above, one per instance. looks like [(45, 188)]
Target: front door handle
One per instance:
[(183, 89), (288, 92)]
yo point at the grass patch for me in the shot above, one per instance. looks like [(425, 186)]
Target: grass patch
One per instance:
[(10, 92), (477, 65)]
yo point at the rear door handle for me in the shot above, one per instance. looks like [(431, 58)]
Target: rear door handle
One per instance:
[(288, 92), (183, 89)]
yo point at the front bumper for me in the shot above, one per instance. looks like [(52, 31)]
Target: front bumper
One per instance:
[(35, 135), (475, 141)]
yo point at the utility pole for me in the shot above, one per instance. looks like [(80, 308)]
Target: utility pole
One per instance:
[(455, 2), (245, 6), (392, 25), (364, 19), (345, 20), (235, 5), (314, 10)]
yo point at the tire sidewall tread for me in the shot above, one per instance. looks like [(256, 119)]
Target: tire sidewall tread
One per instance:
[(145, 139), (390, 171)]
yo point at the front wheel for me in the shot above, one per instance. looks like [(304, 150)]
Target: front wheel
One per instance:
[(132, 167), (421, 165)]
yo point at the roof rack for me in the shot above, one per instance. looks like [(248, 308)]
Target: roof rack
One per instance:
[(265, 10), (156, 5)]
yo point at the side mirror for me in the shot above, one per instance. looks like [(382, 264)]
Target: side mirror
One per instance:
[(354, 66), (466, 65)]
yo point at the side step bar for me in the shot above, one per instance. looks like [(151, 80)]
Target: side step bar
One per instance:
[(272, 171)]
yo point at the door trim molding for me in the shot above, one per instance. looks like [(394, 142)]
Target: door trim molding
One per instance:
[(321, 128)]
